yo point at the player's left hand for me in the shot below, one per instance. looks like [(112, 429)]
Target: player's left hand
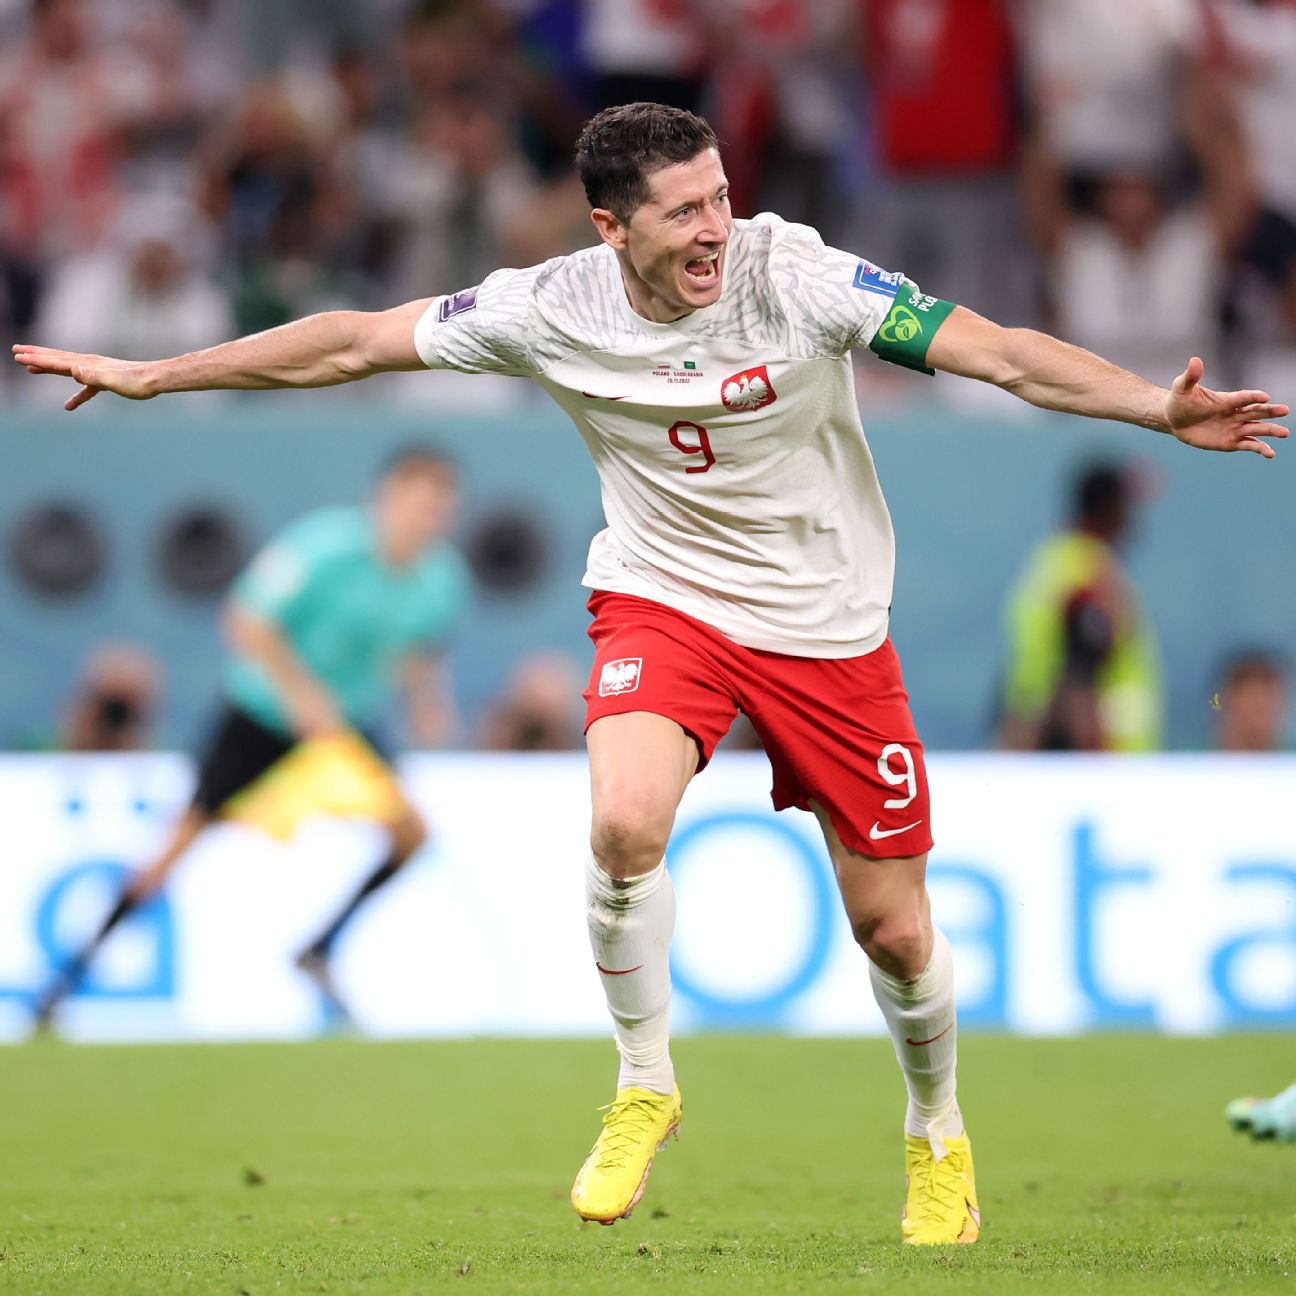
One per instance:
[(1212, 420)]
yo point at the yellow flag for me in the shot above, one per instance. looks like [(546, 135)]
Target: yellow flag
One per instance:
[(337, 775)]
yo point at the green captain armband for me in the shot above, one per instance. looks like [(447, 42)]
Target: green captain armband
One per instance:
[(906, 333)]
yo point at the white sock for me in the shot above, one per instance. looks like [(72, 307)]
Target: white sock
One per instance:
[(920, 1015), (630, 926)]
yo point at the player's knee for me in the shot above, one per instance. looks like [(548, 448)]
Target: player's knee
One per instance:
[(629, 836), (896, 943)]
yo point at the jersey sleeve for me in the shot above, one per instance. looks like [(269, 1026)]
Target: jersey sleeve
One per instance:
[(482, 330), (837, 300)]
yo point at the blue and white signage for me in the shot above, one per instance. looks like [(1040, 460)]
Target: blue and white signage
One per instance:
[(1078, 893)]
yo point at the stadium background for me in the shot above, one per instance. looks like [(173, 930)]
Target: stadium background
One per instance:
[(182, 171)]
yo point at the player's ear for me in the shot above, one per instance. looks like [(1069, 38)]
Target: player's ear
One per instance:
[(610, 228)]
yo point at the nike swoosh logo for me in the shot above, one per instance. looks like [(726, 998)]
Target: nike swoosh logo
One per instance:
[(919, 1043), (616, 971), (595, 396), (876, 835)]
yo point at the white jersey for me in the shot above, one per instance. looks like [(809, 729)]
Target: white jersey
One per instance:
[(737, 483)]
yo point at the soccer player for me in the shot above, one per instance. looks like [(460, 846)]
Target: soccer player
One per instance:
[(747, 565), (336, 605)]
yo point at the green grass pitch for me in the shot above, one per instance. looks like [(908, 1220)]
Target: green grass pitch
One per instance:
[(361, 1167)]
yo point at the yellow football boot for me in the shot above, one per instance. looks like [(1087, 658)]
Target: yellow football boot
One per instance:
[(635, 1126), (940, 1198)]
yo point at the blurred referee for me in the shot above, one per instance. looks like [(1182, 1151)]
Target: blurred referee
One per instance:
[(338, 609)]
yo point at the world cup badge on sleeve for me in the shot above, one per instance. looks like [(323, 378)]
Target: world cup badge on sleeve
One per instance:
[(458, 304)]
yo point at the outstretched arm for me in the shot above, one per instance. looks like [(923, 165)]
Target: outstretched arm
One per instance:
[(318, 351), (1056, 375)]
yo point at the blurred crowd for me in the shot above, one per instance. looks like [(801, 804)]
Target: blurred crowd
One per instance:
[(1119, 172), (1123, 172)]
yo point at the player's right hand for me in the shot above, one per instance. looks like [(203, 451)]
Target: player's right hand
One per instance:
[(95, 373)]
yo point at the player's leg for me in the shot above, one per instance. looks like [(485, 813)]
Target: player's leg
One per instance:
[(657, 705), (408, 833), (912, 974), (640, 764), (239, 751), (842, 743), (136, 890), (911, 971)]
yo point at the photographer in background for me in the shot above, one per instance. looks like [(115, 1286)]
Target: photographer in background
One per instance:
[(115, 702), (112, 707)]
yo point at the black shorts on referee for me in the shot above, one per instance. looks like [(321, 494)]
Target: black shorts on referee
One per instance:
[(239, 752)]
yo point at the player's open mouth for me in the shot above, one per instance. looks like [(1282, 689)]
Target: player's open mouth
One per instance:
[(703, 271)]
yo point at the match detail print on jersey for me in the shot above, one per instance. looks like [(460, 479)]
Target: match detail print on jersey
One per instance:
[(906, 333)]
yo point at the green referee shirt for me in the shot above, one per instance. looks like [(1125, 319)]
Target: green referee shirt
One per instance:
[(347, 613)]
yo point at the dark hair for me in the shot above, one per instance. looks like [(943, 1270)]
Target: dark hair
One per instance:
[(1101, 493), (621, 147), (417, 457), (1247, 664)]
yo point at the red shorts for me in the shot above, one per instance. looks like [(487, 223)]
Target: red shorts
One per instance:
[(836, 730)]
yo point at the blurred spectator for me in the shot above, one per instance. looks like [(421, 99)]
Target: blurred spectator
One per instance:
[(65, 102), (1140, 279), (656, 50), (553, 82), (1260, 40), (1107, 81), (460, 198), (783, 96), (539, 707), (942, 85), (145, 291), (1083, 671), (1251, 703), (304, 34), (452, 47), (350, 157), (1131, 178), (114, 703), (271, 188), (190, 77), (352, 113)]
